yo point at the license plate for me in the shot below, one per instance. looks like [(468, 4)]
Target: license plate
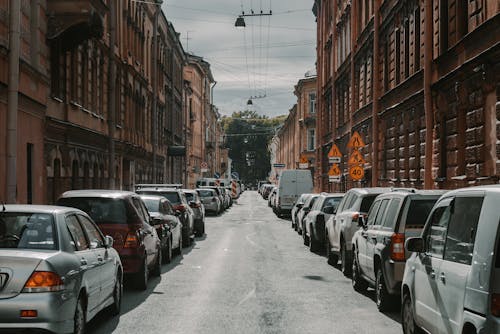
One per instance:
[(3, 280)]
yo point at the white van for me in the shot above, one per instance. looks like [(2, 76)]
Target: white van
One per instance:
[(292, 184)]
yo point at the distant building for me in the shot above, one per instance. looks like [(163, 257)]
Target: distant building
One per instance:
[(419, 82)]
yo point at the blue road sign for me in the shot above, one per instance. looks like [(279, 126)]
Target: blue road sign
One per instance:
[(235, 175), (216, 175)]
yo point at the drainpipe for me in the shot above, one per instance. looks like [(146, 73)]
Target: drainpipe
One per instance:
[(155, 89), (429, 121), (111, 94), (376, 93), (13, 99)]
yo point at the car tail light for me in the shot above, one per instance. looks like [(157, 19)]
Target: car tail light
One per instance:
[(398, 247), (131, 241), (495, 304), (44, 281), (180, 207), (196, 205), (29, 313)]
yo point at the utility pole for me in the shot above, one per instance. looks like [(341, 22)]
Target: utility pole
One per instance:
[(13, 99), (112, 94)]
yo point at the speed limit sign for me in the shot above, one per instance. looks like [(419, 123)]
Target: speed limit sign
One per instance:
[(356, 173)]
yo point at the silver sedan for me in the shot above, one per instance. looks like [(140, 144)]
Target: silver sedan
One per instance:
[(57, 270)]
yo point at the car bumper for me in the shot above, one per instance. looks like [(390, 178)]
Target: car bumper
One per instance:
[(55, 311), (212, 207), (131, 261), (394, 272)]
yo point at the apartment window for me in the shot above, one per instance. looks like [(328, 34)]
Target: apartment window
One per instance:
[(58, 70), (312, 103), (311, 139), (462, 18), (398, 55), (443, 26), (417, 40), (407, 49)]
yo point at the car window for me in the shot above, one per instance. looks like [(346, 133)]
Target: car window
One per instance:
[(79, 241), (436, 234), (313, 200), (152, 204), (167, 208), (366, 203), (206, 193), (332, 201), (318, 203), (350, 204), (372, 214), (95, 237), (27, 230), (172, 196), (392, 214), (418, 212), (141, 209), (101, 210), (381, 211), (190, 197), (462, 229)]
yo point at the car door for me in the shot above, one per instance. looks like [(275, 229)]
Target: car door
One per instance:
[(334, 224), (147, 232), (456, 266), (427, 265), (373, 237), (105, 262), (89, 268), (362, 243), (174, 223)]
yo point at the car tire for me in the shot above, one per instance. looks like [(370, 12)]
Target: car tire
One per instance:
[(408, 317), (80, 318), (358, 283), (382, 296), (115, 308), (305, 237), (313, 243), (141, 277), (167, 252), (156, 272), (186, 240), (345, 265), (331, 258)]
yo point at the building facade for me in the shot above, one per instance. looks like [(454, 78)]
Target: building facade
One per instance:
[(419, 81)]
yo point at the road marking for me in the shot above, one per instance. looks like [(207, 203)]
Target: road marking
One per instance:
[(247, 297), (253, 242)]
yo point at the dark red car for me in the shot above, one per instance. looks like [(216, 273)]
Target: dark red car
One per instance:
[(122, 215)]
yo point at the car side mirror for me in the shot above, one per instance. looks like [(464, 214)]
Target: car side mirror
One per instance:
[(300, 205), (178, 213), (108, 241), (415, 245)]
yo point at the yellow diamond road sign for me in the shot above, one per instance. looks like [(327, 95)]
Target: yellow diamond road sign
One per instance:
[(356, 141), (356, 158)]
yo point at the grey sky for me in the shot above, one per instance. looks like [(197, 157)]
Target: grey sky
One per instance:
[(278, 49)]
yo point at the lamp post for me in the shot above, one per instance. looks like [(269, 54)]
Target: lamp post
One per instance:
[(240, 20)]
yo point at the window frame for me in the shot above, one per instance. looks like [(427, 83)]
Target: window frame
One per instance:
[(75, 244)]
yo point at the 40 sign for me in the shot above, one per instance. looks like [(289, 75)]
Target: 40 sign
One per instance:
[(356, 173)]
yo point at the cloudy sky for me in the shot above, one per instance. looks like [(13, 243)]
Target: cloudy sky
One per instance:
[(267, 58)]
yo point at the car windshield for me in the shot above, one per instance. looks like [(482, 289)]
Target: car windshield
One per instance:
[(27, 231), (190, 197), (101, 210), (206, 193), (418, 212), (367, 202), (153, 205), (332, 201), (172, 196)]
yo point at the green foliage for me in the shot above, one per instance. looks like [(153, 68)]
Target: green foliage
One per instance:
[(247, 137)]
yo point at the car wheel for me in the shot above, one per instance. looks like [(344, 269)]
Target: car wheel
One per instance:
[(305, 237), (345, 266), (167, 252), (157, 269), (80, 319), (408, 319), (382, 296), (358, 283), (117, 296), (186, 240), (332, 259), (313, 243), (141, 278)]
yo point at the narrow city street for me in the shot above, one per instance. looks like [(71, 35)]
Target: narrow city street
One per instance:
[(249, 274)]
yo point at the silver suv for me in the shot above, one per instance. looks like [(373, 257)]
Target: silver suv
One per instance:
[(451, 282), (378, 246), (341, 227)]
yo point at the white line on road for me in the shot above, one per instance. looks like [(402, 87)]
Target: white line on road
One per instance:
[(253, 242), (247, 297)]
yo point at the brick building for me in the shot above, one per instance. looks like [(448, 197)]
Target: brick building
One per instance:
[(419, 81)]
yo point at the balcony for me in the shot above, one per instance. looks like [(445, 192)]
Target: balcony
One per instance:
[(74, 21)]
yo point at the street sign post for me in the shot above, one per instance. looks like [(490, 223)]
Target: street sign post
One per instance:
[(334, 173), (204, 167), (356, 158), (356, 173), (356, 141)]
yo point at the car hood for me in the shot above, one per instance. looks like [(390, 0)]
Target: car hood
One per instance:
[(16, 266)]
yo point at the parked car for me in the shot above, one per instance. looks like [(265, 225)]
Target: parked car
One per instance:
[(167, 225), (292, 184), (198, 210), (270, 198), (227, 197), (378, 246), (266, 190), (57, 270), (296, 207), (179, 202), (303, 213), (260, 185), (451, 282), (220, 195), (341, 227), (324, 207), (123, 215), (210, 200)]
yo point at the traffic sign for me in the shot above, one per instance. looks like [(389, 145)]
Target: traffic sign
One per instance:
[(235, 175), (216, 175), (279, 165), (303, 165), (334, 160), (304, 160), (334, 170), (356, 173), (356, 158), (334, 152), (203, 167), (356, 141), (332, 179)]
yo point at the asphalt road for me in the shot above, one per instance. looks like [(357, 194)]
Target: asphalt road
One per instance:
[(251, 273)]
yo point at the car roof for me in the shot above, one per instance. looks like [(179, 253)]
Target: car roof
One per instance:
[(191, 191), (209, 189), (158, 189), (368, 191), (492, 188), (415, 193), (154, 197), (98, 193), (48, 209)]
